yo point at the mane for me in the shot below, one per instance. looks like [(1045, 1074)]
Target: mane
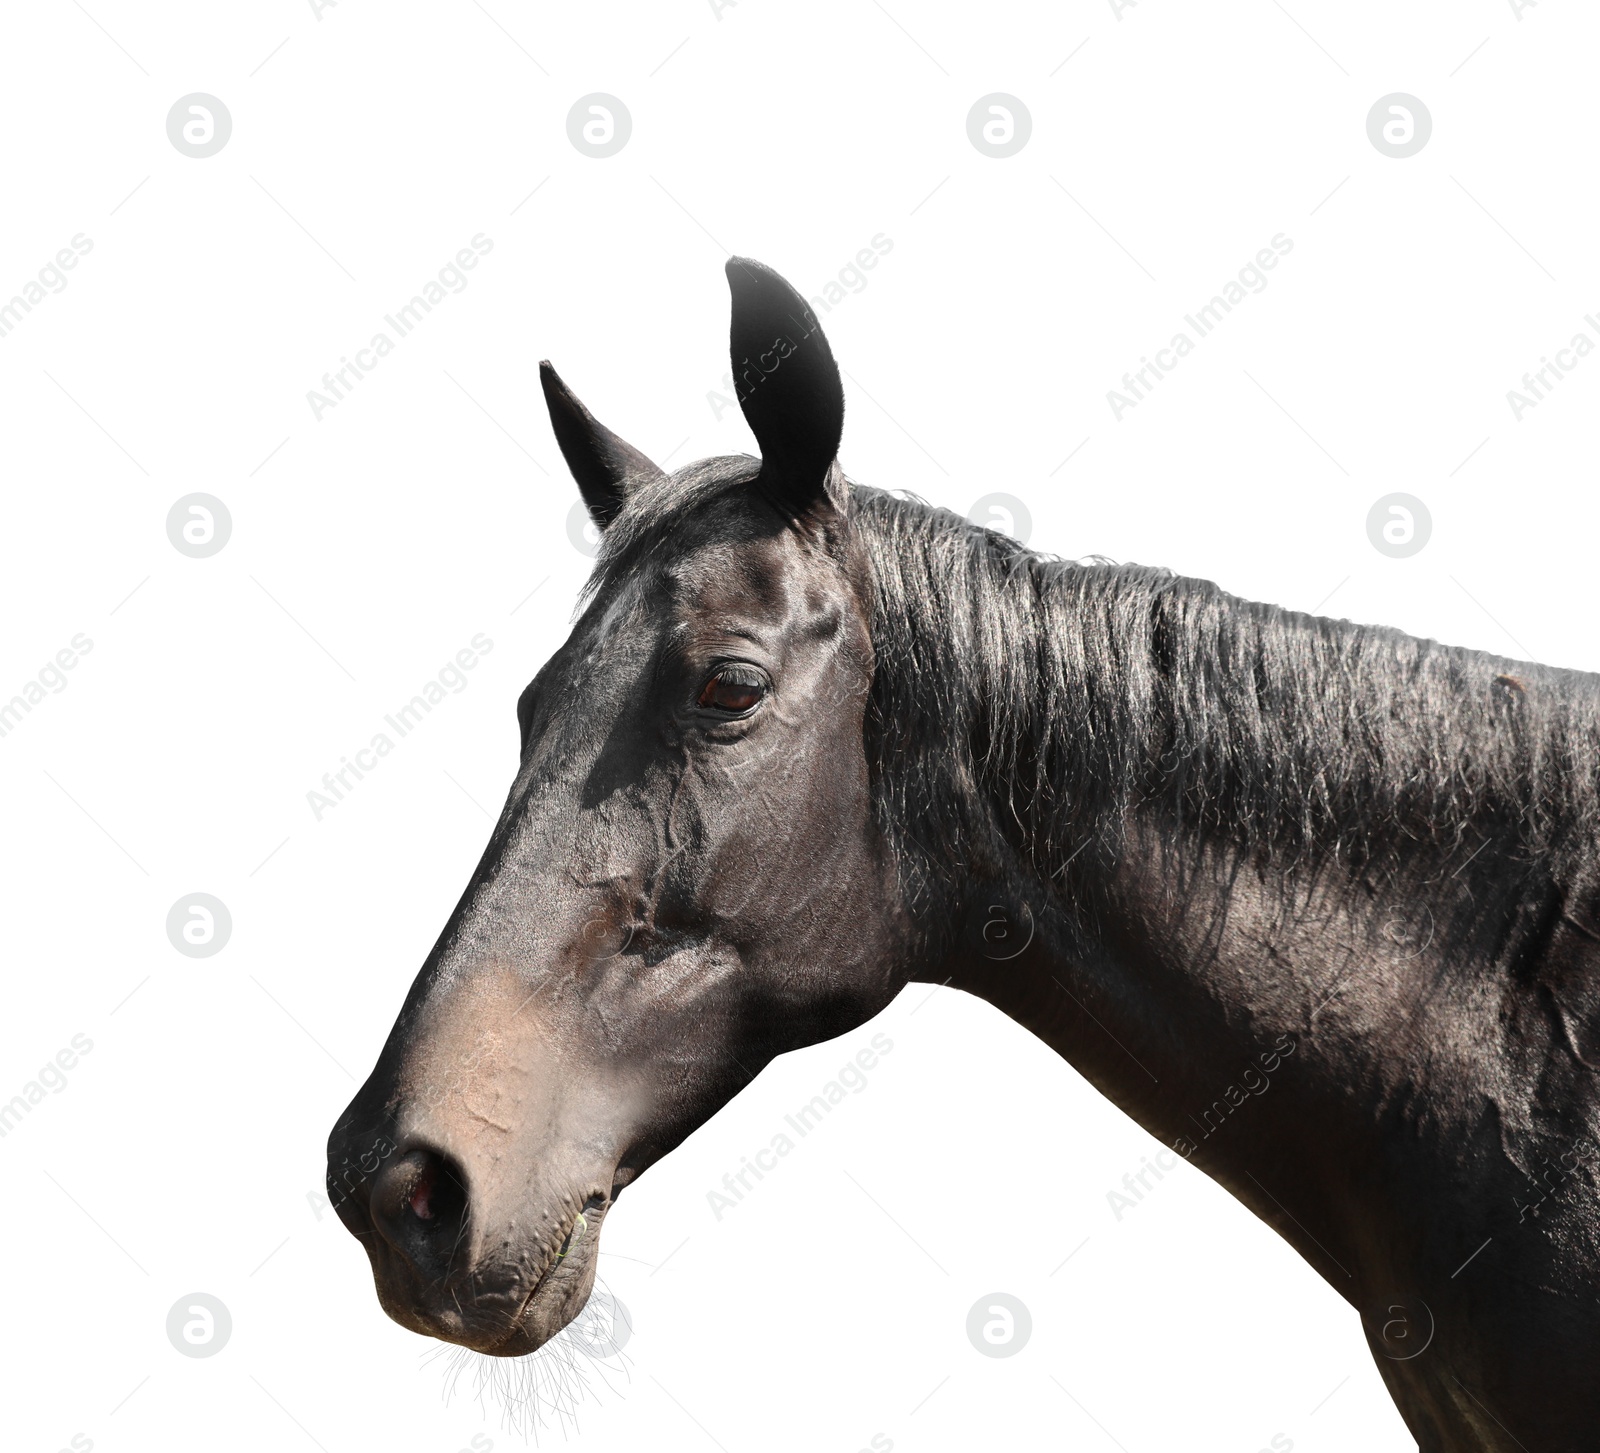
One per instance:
[(1024, 706)]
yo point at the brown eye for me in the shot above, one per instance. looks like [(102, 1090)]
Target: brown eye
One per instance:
[(734, 690)]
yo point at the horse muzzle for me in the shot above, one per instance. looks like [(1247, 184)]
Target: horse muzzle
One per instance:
[(446, 1266)]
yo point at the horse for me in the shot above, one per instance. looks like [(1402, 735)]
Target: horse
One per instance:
[(1315, 903)]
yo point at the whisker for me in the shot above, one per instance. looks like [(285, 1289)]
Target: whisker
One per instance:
[(546, 1389)]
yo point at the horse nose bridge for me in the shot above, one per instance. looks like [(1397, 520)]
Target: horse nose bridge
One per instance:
[(567, 842), (516, 969), (532, 910)]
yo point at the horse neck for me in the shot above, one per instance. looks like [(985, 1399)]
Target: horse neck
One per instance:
[(1240, 1007)]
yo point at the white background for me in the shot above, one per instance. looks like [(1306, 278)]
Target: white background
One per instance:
[(370, 144)]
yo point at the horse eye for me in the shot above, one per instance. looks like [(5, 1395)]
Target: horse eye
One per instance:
[(734, 690)]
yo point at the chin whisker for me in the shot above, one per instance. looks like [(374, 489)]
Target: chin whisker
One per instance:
[(544, 1390)]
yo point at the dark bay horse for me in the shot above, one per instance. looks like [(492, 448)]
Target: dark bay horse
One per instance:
[(1318, 904)]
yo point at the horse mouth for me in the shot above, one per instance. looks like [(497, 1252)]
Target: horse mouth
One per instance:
[(561, 1287)]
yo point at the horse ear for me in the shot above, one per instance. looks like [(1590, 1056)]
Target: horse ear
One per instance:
[(788, 387), (606, 467)]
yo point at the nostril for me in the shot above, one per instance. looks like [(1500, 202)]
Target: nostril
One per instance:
[(420, 1200), (437, 1194), (420, 1206)]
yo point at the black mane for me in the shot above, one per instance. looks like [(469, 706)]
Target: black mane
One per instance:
[(1025, 704)]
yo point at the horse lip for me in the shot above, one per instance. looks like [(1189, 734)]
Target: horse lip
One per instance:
[(555, 1260)]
